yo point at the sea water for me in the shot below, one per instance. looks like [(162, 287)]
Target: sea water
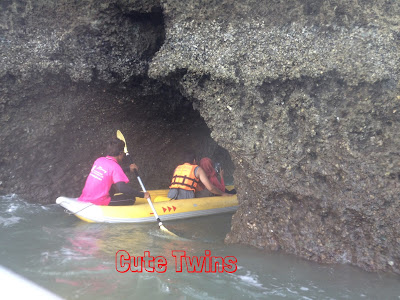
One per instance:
[(78, 260)]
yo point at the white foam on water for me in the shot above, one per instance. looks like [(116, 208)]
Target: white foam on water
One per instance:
[(6, 222), (9, 207), (9, 197), (291, 291), (251, 280), (13, 209)]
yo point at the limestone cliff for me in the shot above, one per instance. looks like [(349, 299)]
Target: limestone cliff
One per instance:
[(304, 95)]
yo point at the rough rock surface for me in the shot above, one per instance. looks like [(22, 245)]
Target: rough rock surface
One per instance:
[(304, 95), (71, 74)]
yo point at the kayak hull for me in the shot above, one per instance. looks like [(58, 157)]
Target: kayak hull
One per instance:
[(142, 213)]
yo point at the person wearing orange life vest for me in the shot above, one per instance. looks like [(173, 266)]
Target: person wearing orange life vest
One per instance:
[(186, 178)]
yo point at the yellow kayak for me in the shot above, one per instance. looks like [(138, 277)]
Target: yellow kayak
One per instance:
[(141, 212)]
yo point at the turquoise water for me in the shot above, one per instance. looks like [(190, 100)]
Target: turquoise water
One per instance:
[(76, 260)]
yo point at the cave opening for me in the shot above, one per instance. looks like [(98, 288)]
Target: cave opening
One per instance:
[(159, 127)]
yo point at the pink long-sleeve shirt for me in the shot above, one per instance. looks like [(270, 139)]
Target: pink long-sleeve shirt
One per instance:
[(207, 165)]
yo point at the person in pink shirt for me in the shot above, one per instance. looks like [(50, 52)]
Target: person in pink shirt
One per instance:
[(107, 176), (208, 166)]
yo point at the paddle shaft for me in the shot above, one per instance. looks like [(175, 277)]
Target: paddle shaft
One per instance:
[(144, 190), (148, 199), (160, 225)]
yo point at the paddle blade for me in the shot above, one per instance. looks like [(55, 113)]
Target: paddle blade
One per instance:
[(122, 138), (167, 231)]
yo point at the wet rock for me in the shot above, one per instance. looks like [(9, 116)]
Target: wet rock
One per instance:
[(304, 96)]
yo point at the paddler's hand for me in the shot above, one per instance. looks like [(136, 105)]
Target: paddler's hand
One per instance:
[(133, 167), (147, 195)]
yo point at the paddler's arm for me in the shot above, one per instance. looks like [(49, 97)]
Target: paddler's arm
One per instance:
[(126, 189), (209, 186), (130, 168)]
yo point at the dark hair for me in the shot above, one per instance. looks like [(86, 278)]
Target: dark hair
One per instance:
[(189, 157), (115, 146)]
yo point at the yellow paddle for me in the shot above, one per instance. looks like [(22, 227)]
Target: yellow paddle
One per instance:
[(122, 138)]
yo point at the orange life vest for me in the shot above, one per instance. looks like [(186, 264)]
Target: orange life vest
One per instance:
[(184, 178)]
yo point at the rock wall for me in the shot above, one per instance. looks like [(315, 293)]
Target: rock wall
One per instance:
[(304, 95)]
